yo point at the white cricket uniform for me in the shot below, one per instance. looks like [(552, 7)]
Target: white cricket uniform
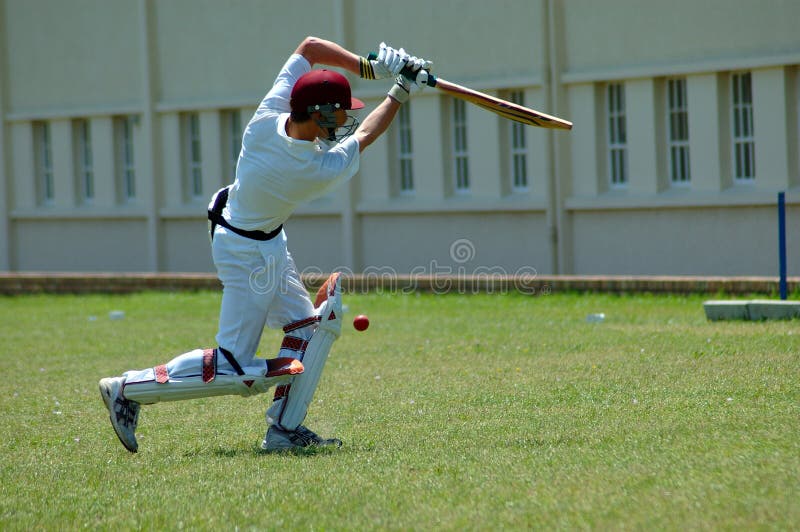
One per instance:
[(261, 286), (274, 175)]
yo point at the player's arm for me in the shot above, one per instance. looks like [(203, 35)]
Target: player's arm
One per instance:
[(377, 122), (387, 63), (321, 51)]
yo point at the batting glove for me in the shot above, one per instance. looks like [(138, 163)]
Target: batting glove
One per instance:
[(387, 65), (412, 77), (420, 68), (401, 90)]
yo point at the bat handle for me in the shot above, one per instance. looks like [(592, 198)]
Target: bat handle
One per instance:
[(407, 72)]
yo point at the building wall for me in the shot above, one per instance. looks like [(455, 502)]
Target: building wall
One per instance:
[(71, 57), (80, 244), (455, 243), (682, 36), (627, 241), (146, 76)]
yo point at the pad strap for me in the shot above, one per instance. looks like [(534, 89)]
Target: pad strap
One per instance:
[(231, 360), (162, 374), (281, 391), (300, 324), (294, 343), (209, 365)]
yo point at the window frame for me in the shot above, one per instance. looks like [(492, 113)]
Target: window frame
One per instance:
[(517, 148), (82, 129), (232, 139), (678, 142), (405, 152), (124, 151), (617, 141), (743, 145), (43, 163), (192, 156), (460, 147)]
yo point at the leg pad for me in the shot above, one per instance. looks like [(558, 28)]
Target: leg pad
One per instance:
[(183, 382), (291, 403)]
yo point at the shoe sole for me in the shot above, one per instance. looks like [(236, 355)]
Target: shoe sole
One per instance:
[(105, 393)]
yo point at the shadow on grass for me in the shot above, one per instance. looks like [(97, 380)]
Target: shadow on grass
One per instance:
[(221, 452), (300, 451)]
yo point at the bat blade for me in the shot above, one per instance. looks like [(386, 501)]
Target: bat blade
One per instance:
[(504, 108)]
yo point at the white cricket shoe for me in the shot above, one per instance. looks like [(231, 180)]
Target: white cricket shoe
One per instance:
[(123, 413), (278, 439)]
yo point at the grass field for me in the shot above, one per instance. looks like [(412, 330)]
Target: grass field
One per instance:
[(457, 413)]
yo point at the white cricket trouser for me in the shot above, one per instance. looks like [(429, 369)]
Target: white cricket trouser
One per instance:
[(261, 287)]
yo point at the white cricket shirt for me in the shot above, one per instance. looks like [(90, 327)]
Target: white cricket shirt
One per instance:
[(276, 173)]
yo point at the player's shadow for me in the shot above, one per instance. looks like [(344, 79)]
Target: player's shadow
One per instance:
[(221, 452)]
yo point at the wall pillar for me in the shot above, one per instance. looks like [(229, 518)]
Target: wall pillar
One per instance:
[(645, 135), (560, 172), (6, 245), (708, 132), (772, 127), (149, 176)]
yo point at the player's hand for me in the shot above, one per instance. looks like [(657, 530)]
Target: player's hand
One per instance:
[(417, 70), (387, 65), (401, 90), (413, 76)]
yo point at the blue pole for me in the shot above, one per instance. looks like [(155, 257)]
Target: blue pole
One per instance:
[(782, 242)]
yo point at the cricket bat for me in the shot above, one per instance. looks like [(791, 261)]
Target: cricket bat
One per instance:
[(506, 109)]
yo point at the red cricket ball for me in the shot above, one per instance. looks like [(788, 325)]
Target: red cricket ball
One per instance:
[(361, 322)]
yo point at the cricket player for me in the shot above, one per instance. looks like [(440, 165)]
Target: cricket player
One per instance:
[(298, 146)]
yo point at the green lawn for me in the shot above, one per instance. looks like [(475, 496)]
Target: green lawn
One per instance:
[(457, 413)]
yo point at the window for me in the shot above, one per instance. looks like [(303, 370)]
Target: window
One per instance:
[(744, 158), (519, 171), (85, 169), (460, 158), (405, 152), (617, 135), (43, 163), (678, 132), (126, 167), (192, 158), (232, 140)]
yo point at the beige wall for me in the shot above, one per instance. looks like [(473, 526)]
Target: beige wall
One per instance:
[(60, 57), (45, 244), (186, 246), (210, 52), (156, 62), (629, 34), (679, 241), (492, 242), (472, 40)]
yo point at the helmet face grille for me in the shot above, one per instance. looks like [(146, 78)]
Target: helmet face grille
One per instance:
[(347, 129), (328, 121)]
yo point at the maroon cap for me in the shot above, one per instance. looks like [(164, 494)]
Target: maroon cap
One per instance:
[(322, 87)]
